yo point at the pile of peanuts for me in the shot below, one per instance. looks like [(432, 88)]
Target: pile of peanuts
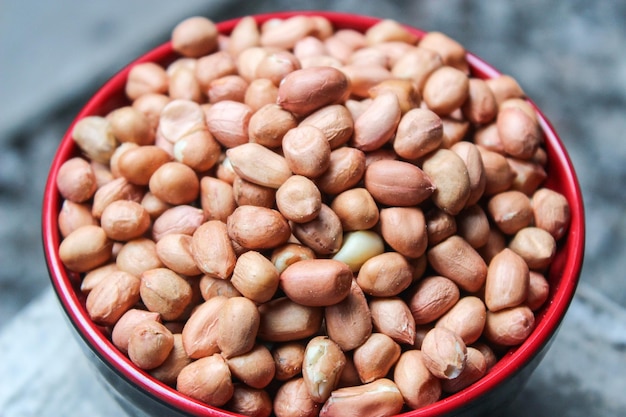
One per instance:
[(304, 221)]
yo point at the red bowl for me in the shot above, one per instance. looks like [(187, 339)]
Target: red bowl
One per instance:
[(140, 394)]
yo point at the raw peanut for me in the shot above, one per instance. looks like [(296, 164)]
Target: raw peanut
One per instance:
[(538, 290), (137, 256), (505, 87), (475, 368), (238, 324), (283, 320), (321, 367), (454, 131), (179, 118), (392, 316), (507, 281), (119, 151), (94, 136), (374, 358), (137, 165), (257, 227), (495, 243), (529, 175), (487, 137), (228, 122), (343, 42), (378, 123), (249, 193), (124, 220), (431, 298), (419, 132), (381, 398), (519, 133), (445, 90), (368, 56), (316, 282), (418, 386), (269, 124), (174, 250), (288, 358), (490, 357), (404, 229), (112, 297), (194, 37), (117, 189), (76, 180), (198, 150), (123, 327), (228, 87), (151, 105), (346, 168), (404, 90), (287, 254), (85, 248), (349, 376), (150, 344), (466, 318), (244, 35), (363, 77), (248, 60), (357, 107), (74, 215), (224, 170), (393, 50), (306, 90), (254, 368), (249, 401), (452, 52), (183, 83), (299, 199), (260, 92), (450, 177), (214, 66), (388, 30), (473, 226), (358, 247), (276, 65), (212, 249), (200, 332), (349, 323), (385, 275), (509, 327), (499, 174), (335, 121), (397, 183), (175, 183), (208, 380), (258, 164), (286, 33), (481, 106), (146, 78), (217, 198), (551, 212), (420, 332), (293, 399), (470, 155), (168, 371), (536, 246), (454, 258), (212, 287), (165, 292), (320, 61), (131, 125), (95, 276), (184, 219), (511, 211), (439, 225), (417, 64), (323, 27), (444, 353), (322, 234), (154, 205), (255, 277), (307, 151), (356, 209)]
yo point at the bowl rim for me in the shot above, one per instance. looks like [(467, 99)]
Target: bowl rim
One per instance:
[(569, 265)]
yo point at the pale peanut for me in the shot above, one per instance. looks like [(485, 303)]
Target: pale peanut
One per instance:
[(358, 247), (321, 367)]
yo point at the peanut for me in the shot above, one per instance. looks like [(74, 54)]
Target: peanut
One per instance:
[(444, 353), (322, 366), (418, 386), (316, 282), (207, 379), (349, 322), (254, 368), (150, 344)]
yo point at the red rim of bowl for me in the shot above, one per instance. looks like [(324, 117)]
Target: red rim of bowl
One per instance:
[(565, 270)]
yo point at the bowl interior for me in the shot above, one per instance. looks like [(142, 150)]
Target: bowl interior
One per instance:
[(563, 274)]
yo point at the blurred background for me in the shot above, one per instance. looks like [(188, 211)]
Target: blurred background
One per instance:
[(567, 55)]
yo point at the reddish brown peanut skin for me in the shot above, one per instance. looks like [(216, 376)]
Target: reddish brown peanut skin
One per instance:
[(509, 327), (419, 387), (349, 322), (85, 248), (398, 183), (454, 258), (257, 227), (283, 320), (444, 353), (507, 281), (207, 379), (431, 298), (316, 282), (164, 291), (111, 298), (381, 397)]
